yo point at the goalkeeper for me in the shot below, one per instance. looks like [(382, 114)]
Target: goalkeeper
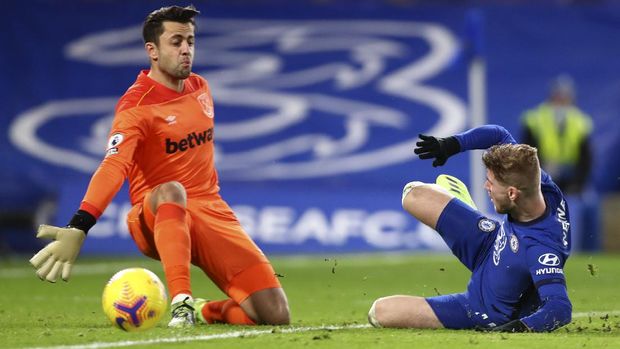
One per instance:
[(517, 282), (162, 142)]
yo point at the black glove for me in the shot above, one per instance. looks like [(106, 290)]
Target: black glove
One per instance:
[(438, 148), (511, 326)]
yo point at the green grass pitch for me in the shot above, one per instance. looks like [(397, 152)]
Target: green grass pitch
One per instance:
[(329, 299)]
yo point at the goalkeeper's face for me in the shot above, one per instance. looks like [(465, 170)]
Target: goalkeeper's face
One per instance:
[(175, 52)]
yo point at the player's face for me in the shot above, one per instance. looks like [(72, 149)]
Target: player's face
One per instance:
[(176, 49), (498, 194)]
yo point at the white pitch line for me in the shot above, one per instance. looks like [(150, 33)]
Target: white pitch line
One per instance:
[(201, 338), (238, 334), (596, 313)]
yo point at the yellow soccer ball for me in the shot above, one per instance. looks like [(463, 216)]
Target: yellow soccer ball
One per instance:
[(134, 299)]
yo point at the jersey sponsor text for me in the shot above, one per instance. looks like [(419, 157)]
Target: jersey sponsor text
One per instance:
[(546, 271), (192, 140)]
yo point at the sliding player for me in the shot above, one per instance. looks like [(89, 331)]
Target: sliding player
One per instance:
[(517, 281)]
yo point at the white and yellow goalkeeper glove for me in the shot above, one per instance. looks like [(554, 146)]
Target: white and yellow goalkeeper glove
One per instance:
[(58, 256)]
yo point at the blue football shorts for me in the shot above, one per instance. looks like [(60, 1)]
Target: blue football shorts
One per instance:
[(469, 235), (451, 310), (458, 311), (467, 232)]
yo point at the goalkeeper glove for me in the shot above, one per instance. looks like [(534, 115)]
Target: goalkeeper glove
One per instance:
[(58, 256), (438, 148)]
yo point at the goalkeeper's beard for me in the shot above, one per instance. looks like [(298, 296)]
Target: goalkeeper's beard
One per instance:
[(183, 72)]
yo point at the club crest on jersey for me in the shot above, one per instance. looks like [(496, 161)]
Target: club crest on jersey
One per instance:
[(486, 225), (514, 243), (113, 143), (207, 106)]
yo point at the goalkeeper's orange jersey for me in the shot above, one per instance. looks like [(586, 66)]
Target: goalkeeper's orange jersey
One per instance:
[(158, 135)]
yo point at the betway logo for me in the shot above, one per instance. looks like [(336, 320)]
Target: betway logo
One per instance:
[(192, 140), (545, 271)]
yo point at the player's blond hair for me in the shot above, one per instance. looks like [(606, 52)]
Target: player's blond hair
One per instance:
[(514, 165)]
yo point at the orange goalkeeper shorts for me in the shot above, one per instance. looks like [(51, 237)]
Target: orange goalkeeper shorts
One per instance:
[(219, 245)]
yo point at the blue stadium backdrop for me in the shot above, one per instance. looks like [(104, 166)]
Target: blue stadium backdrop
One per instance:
[(318, 105)]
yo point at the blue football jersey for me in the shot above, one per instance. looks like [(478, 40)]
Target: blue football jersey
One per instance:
[(517, 268), (523, 257)]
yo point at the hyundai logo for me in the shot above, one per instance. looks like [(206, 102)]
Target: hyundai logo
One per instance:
[(549, 259)]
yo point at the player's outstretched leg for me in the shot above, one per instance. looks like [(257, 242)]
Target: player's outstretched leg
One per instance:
[(223, 311), (403, 312), (268, 307), (173, 243), (264, 307)]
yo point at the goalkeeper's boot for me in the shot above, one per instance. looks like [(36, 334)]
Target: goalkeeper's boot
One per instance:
[(199, 303), (183, 314), (456, 188)]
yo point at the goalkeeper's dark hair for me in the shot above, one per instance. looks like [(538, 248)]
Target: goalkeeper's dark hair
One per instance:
[(153, 25)]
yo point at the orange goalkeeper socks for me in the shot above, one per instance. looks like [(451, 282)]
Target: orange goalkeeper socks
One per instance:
[(226, 311), (174, 247), (212, 311)]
